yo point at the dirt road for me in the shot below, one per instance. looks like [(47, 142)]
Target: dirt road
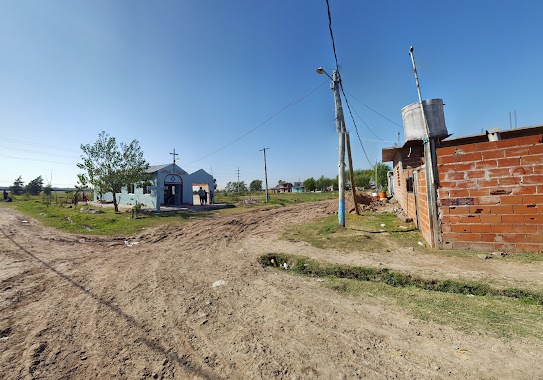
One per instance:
[(79, 307)]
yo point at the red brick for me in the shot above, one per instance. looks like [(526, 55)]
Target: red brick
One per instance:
[(487, 183), (447, 185), (537, 169), (508, 162), (507, 181), (448, 160), (516, 152), (470, 237), (533, 180), (479, 192), (502, 209), (447, 151), (532, 199), (511, 199), (536, 219), (468, 157), (487, 145), (481, 228), (461, 245), (536, 149), (459, 210), (531, 160), (488, 237), (443, 193), (524, 190), (470, 219), (459, 193), (534, 239), (525, 209), (486, 164), (493, 154), (476, 174), (514, 238), (446, 219), (461, 228), (519, 141), (465, 166), (455, 176), (501, 172), (479, 209), (491, 218), (465, 184), (513, 218), (514, 229), (451, 236)]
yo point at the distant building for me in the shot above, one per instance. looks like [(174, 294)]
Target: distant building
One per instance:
[(297, 187), (170, 185)]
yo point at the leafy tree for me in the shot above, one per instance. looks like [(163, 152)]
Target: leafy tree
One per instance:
[(110, 166), (234, 187), (382, 171), (310, 184), (255, 185), (280, 182), (323, 183), (47, 190), (17, 188), (362, 178), (35, 186)]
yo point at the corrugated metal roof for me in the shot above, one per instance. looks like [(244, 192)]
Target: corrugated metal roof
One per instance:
[(156, 168)]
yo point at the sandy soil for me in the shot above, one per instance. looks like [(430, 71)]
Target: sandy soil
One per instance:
[(79, 307)]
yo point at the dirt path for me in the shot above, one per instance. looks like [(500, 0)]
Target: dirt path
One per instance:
[(74, 307)]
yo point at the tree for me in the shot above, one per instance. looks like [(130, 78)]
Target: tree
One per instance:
[(47, 190), (110, 166), (324, 183), (382, 175), (255, 185), (362, 178), (17, 188), (35, 186), (234, 187), (310, 184)]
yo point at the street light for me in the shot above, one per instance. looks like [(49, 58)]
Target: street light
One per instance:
[(340, 128)]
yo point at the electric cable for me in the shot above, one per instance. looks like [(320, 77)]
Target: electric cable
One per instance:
[(259, 125), (332, 33), (365, 105)]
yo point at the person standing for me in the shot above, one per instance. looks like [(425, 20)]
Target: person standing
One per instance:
[(205, 197), (5, 195), (201, 195)]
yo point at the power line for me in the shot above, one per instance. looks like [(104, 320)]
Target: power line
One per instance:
[(332, 33), (39, 145), (32, 159), (366, 124), (365, 105), (259, 125)]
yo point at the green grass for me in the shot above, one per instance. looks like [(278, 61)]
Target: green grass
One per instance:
[(470, 306), (363, 233), (109, 223), (281, 199)]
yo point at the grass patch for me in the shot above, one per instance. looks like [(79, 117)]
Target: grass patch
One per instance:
[(109, 223), (306, 266), (370, 231), (470, 306), (280, 199)]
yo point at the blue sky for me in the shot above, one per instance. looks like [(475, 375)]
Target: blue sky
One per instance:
[(198, 75)]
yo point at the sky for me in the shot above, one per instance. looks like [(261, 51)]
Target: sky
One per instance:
[(220, 80)]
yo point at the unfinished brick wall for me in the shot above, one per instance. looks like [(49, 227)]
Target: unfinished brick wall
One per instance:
[(491, 195), (406, 163), (422, 205)]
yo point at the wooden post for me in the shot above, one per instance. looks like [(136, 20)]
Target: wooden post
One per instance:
[(351, 173)]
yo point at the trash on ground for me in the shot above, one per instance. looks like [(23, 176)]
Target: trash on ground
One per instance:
[(421, 243), (129, 243), (25, 221), (285, 266), (218, 283), (383, 225)]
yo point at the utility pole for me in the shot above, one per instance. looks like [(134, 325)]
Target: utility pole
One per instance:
[(340, 127), (238, 180), (429, 153), (265, 173)]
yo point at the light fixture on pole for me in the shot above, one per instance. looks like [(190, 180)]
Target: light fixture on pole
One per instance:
[(340, 128)]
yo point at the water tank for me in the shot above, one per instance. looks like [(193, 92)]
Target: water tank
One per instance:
[(414, 128)]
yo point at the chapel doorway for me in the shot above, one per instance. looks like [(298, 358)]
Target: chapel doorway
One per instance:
[(173, 190)]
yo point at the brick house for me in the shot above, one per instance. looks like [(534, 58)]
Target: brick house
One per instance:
[(489, 189)]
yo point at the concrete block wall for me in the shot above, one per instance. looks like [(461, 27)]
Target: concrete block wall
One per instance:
[(490, 195)]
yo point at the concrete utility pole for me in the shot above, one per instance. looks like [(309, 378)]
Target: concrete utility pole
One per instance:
[(265, 173), (340, 128), (238, 179), (429, 153)]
